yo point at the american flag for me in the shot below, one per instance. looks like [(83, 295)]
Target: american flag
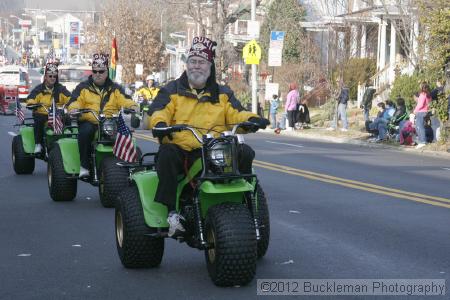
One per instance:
[(124, 147), (51, 57), (55, 121), (19, 112)]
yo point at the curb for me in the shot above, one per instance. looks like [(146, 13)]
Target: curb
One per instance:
[(355, 141)]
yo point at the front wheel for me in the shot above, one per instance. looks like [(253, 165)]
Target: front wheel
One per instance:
[(22, 162), (135, 247), (61, 187), (232, 253), (134, 121), (113, 179)]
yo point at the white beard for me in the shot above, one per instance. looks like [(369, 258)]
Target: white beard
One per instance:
[(197, 79)]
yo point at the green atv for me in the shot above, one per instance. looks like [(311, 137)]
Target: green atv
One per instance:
[(226, 213), (23, 144), (64, 163), (141, 116)]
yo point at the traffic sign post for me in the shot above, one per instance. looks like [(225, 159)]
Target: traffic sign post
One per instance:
[(251, 53)]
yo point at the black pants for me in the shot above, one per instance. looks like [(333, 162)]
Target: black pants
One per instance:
[(171, 163), (292, 117), (86, 133), (39, 123)]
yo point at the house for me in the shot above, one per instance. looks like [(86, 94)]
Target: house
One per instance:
[(381, 29)]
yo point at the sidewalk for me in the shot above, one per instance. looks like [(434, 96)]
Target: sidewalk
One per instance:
[(358, 138)]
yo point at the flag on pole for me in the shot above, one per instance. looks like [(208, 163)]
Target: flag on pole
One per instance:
[(55, 119), (19, 112), (124, 147), (114, 59), (51, 56)]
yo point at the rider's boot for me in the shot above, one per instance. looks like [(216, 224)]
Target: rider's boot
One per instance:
[(37, 148), (83, 173), (175, 224)]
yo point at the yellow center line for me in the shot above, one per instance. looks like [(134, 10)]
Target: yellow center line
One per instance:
[(373, 188), (355, 182), (354, 186)]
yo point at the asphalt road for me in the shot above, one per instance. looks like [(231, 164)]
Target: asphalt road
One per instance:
[(337, 211)]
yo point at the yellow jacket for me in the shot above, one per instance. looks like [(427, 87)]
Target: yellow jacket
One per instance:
[(41, 95), (87, 96), (148, 93), (176, 103)]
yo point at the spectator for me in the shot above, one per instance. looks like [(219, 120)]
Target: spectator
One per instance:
[(366, 103), (379, 125), (421, 111), (274, 104), (400, 113), (291, 105), (303, 113), (407, 132), (341, 112), (434, 120)]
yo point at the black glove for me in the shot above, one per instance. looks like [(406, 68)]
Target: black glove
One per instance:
[(160, 133), (261, 122)]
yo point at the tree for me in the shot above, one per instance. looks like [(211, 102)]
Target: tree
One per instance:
[(136, 26), (286, 16), (214, 18), (301, 54)]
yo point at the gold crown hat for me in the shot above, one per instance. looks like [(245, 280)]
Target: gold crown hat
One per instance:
[(100, 60)]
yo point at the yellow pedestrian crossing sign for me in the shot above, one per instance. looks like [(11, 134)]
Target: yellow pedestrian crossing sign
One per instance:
[(251, 53)]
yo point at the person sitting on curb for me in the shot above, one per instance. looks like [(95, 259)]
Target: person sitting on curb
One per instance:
[(379, 125)]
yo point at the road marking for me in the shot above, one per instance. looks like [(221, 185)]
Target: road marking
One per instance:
[(437, 201), (359, 185), (12, 133), (292, 145)]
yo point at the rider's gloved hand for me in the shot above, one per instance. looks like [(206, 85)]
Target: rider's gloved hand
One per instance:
[(160, 133), (262, 123)]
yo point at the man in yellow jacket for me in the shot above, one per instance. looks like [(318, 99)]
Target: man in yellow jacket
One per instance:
[(150, 91), (44, 94), (99, 94), (194, 99)]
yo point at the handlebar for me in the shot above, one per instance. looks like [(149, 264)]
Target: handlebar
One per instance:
[(36, 106), (181, 127), (98, 116)]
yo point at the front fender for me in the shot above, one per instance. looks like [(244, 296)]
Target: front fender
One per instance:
[(70, 155), (215, 193), (155, 214), (27, 134)]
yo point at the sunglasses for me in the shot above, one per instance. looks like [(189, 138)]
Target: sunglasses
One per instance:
[(52, 76), (98, 71)]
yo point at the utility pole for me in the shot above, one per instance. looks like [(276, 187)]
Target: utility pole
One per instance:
[(254, 81)]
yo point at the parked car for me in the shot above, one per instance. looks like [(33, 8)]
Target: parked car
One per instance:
[(16, 76), (72, 75)]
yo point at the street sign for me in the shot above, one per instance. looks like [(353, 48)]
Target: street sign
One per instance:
[(275, 57), (253, 29), (271, 89), (139, 70), (276, 39), (251, 53)]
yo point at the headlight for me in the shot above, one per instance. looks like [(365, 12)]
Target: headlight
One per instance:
[(220, 154), (110, 128)]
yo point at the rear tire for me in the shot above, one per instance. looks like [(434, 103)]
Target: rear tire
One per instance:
[(135, 248), (60, 186), (230, 232), (113, 179), (263, 222), (22, 162)]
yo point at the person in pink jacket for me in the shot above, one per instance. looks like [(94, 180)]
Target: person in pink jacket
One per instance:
[(420, 111), (291, 104)]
